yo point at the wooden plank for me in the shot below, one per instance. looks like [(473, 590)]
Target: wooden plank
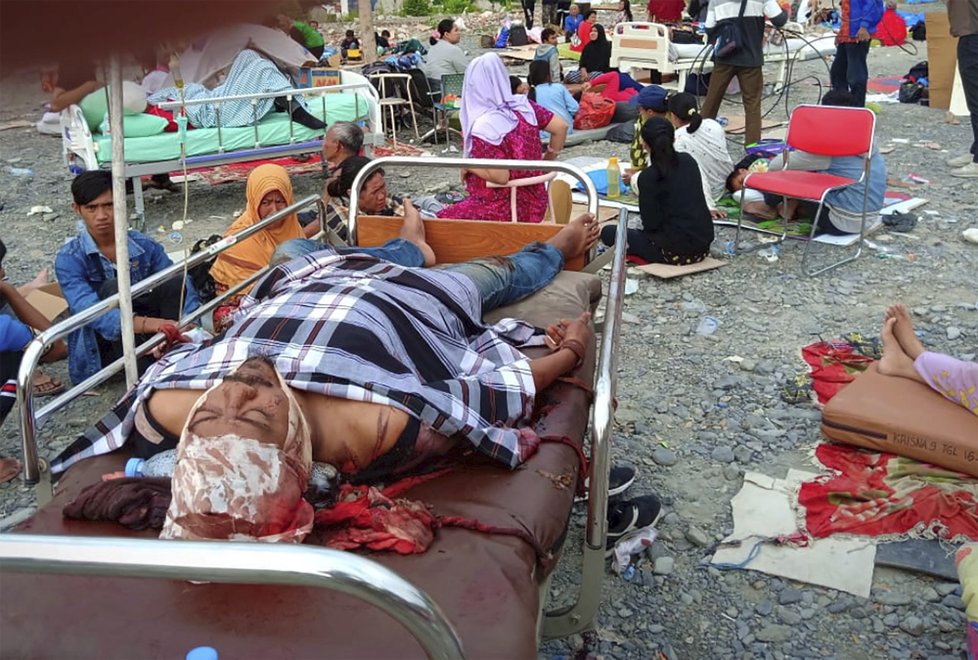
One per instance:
[(454, 241)]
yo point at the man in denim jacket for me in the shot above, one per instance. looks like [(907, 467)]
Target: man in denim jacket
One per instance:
[(86, 271)]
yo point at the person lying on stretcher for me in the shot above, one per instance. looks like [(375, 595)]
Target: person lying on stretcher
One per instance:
[(383, 362)]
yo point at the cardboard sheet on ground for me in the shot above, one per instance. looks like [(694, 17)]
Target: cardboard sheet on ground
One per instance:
[(764, 507), (605, 213), (667, 272), (522, 53)]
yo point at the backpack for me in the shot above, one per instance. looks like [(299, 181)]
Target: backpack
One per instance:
[(517, 36), (596, 111)]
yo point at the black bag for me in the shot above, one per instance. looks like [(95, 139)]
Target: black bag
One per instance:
[(200, 274), (729, 37), (624, 133), (912, 92), (919, 31), (697, 84), (517, 36), (685, 37)]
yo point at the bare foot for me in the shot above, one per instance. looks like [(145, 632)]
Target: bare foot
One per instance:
[(903, 330), (412, 230), (577, 237), (895, 361), (42, 278)]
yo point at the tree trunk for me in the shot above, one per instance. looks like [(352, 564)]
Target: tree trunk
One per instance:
[(368, 42)]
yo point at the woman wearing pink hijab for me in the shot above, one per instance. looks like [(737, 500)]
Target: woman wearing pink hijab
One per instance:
[(498, 124)]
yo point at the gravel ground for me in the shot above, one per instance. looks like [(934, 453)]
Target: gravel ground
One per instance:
[(717, 417)]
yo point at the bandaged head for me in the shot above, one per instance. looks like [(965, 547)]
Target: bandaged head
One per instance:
[(231, 486)]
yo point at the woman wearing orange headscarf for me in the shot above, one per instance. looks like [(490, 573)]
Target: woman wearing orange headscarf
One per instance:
[(269, 191)]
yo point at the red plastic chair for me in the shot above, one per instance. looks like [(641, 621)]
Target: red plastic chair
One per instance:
[(824, 131)]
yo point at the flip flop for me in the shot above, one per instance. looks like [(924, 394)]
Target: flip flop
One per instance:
[(9, 468), (44, 385)]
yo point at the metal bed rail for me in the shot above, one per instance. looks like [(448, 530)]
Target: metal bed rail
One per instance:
[(30, 419), (239, 563), (321, 92), (579, 616)]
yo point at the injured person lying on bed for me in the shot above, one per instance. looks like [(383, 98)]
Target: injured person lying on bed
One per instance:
[(355, 361)]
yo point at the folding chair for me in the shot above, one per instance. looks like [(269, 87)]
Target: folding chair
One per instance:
[(823, 131), (515, 184), (451, 85), (391, 100)]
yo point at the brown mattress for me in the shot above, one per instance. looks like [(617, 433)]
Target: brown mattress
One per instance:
[(900, 416), (486, 585)]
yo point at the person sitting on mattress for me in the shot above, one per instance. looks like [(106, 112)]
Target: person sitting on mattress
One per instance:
[(676, 224), (904, 356), (269, 190), (86, 270), (388, 364), (595, 67), (250, 73), (706, 141), (551, 95), (498, 125)]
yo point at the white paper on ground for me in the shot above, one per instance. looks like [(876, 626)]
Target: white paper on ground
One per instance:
[(764, 507)]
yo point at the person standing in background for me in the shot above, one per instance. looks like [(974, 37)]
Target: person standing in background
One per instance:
[(745, 61), (849, 71), (963, 17)]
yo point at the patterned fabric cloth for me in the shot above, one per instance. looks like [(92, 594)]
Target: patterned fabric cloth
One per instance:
[(249, 74), (878, 494), (955, 380), (842, 37), (522, 143), (834, 365), (361, 329)]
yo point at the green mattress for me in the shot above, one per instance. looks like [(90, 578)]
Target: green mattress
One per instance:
[(273, 129), (565, 53)]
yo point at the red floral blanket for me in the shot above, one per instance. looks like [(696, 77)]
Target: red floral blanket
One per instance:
[(876, 494)]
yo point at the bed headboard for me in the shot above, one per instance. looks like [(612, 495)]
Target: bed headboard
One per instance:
[(454, 241)]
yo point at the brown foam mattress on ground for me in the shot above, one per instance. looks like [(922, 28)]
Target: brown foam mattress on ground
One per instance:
[(486, 585), (901, 416)]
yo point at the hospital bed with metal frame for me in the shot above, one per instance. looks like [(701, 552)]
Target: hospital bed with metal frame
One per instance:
[(495, 611)]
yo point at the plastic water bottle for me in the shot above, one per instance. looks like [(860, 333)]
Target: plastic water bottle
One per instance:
[(614, 178), (21, 171), (158, 465), (707, 326)]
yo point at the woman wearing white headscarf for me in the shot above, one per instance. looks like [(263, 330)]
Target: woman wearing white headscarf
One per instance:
[(501, 125)]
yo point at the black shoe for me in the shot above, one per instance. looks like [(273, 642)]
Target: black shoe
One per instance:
[(629, 516), (299, 114), (620, 477)]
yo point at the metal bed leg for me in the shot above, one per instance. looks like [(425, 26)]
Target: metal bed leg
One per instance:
[(139, 202)]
